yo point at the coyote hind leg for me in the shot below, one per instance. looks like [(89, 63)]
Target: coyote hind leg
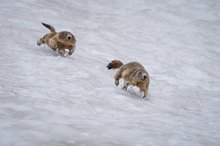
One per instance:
[(118, 76)]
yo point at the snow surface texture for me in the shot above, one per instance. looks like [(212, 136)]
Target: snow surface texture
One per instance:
[(49, 100)]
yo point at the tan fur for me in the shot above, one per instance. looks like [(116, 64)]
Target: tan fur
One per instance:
[(133, 73), (114, 64), (63, 42)]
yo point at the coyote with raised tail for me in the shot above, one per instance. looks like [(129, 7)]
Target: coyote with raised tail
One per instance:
[(62, 42), (133, 73)]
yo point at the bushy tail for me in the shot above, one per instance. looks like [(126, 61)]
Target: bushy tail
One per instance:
[(51, 28), (114, 64)]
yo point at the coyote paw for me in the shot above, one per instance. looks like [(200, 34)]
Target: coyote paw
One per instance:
[(116, 82), (125, 88), (38, 42), (66, 51)]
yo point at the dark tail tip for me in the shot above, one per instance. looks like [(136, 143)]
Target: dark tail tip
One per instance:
[(109, 66), (51, 28), (46, 25), (114, 64)]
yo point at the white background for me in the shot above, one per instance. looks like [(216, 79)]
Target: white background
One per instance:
[(48, 100)]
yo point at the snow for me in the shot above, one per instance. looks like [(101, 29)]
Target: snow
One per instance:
[(51, 100)]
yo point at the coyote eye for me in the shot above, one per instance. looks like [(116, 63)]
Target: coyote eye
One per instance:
[(139, 74)]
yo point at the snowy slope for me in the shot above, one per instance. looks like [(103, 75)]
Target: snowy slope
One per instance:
[(50, 100)]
